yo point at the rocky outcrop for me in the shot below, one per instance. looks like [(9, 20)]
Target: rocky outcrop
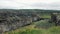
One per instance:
[(55, 18), (13, 20)]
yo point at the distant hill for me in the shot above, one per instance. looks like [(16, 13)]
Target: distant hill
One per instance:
[(28, 10)]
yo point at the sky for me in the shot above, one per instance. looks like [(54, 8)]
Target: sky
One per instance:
[(30, 4)]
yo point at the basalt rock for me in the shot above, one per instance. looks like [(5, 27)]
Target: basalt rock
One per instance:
[(55, 18), (11, 21)]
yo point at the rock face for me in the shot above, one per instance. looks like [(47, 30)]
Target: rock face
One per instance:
[(55, 17), (10, 21)]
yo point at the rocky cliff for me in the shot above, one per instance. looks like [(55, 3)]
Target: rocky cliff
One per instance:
[(13, 20)]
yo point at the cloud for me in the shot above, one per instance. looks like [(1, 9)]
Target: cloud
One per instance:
[(30, 4), (54, 5)]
